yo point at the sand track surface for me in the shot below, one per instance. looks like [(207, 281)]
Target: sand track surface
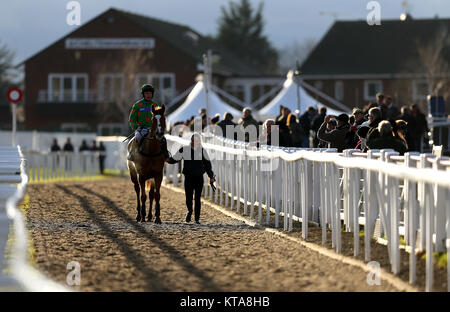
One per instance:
[(94, 223)]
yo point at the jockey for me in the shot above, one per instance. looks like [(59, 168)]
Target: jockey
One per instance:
[(141, 117)]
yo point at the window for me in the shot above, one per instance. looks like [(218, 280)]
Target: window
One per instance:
[(339, 90), (67, 87), (164, 84), (371, 88), (110, 87), (420, 89)]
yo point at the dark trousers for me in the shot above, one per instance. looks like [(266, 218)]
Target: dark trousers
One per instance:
[(193, 184)]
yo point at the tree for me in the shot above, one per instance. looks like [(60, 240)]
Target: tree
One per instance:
[(7, 72), (241, 31), (295, 51), (118, 97), (436, 67)]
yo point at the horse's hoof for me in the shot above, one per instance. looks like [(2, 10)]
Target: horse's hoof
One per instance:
[(158, 221), (138, 218)]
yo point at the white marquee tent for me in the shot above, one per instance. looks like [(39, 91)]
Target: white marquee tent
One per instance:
[(197, 100), (288, 98)]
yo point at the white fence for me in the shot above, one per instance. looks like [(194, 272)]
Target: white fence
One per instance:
[(44, 166), (13, 183), (390, 195)]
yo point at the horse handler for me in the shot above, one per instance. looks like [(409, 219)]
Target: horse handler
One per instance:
[(196, 163)]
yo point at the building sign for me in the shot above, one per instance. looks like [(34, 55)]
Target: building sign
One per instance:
[(110, 43)]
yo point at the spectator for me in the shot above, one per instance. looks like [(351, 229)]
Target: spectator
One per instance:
[(386, 140), (266, 136), (247, 120), (374, 120), (281, 112), (305, 122), (294, 130), (336, 138), (401, 132), (381, 105), (362, 133), (281, 122), (359, 117), (68, 147), (227, 121), (331, 125), (214, 120), (317, 121), (83, 146), (55, 147), (93, 147), (411, 127), (392, 111), (421, 129), (102, 156)]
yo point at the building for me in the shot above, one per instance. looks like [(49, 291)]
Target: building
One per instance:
[(405, 59), (88, 80)]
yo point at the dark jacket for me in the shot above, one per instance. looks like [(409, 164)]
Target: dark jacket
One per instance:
[(196, 162), (373, 131), (392, 112), (386, 142), (336, 138), (317, 122), (245, 122), (223, 125), (305, 122), (68, 147)]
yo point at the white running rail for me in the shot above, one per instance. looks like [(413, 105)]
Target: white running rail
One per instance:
[(390, 195), (13, 183)]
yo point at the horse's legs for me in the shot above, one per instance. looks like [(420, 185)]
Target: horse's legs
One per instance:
[(137, 189), (158, 181), (143, 198), (151, 196)]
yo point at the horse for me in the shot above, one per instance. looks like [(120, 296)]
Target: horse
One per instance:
[(148, 164)]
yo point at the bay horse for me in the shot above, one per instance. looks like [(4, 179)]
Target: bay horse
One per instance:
[(148, 164)]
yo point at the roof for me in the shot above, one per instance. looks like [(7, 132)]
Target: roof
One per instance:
[(185, 39), (355, 48), (196, 100), (288, 98), (193, 44)]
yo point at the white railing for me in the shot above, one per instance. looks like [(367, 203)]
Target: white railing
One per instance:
[(13, 182), (389, 195), (44, 166)]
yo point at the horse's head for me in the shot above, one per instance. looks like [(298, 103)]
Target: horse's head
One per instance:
[(158, 113)]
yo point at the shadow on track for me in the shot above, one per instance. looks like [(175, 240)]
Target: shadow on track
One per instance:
[(207, 283), (154, 283)]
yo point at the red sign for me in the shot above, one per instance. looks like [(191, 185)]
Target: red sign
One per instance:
[(14, 95)]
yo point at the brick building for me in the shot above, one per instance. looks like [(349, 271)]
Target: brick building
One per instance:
[(87, 80), (405, 59)]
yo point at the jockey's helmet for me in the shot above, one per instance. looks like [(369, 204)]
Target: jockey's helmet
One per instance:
[(146, 88)]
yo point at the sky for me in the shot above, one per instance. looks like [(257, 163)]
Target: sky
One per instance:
[(28, 26)]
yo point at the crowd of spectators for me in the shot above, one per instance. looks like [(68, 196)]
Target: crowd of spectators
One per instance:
[(378, 125)]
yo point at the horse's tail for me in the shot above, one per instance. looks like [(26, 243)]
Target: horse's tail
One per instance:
[(150, 183)]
